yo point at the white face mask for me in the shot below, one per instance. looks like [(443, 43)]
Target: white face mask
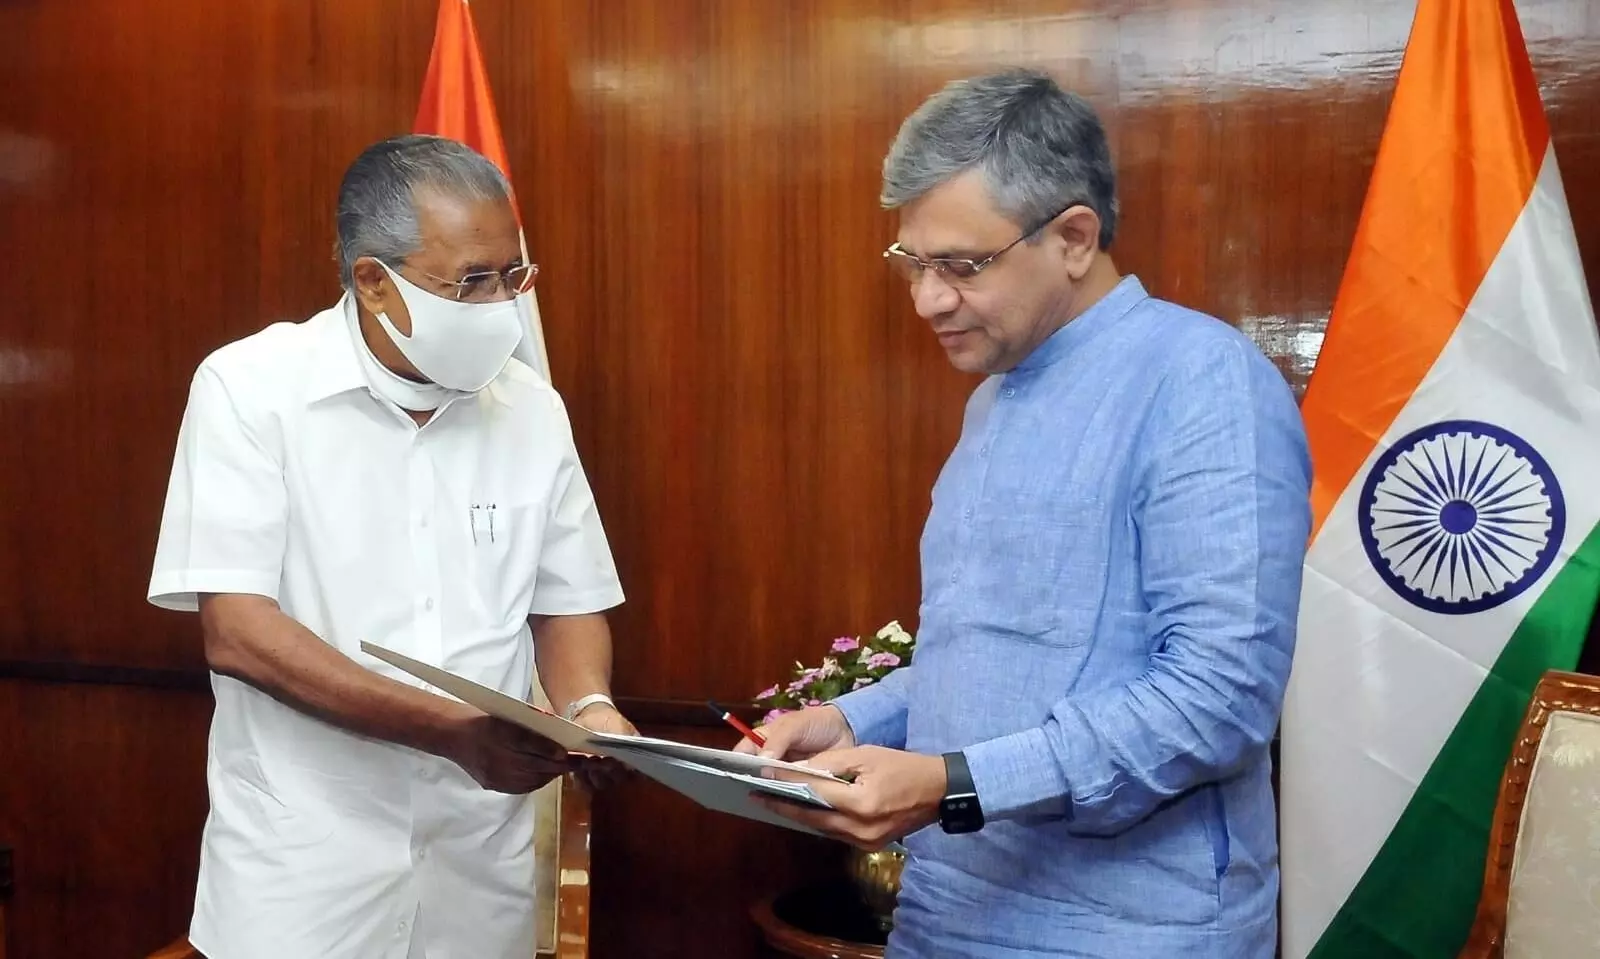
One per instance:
[(406, 394), (460, 346)]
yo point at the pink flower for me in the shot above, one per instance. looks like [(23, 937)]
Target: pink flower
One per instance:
[(845, 643), (813, 702), (769, 717), (883, 659), (799, 684), (767, 693)]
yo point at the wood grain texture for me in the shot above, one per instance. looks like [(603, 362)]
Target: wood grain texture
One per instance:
[(674, 881), (760, 411), (103, 799)]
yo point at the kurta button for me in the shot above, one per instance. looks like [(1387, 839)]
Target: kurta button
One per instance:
[(427, 603)]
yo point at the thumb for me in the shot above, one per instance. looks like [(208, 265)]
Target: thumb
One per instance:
[(777, 746), (779, 737)]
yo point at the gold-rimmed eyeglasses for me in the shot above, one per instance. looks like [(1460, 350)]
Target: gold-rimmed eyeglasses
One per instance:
[(491, 285), (955, 268)]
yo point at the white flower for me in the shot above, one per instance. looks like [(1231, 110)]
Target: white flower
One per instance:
[(894, 633), (830, 667)]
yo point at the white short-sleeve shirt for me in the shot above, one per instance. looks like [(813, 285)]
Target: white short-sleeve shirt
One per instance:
[(294, 480)]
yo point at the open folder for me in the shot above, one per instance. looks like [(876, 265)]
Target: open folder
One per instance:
[(717, 779)]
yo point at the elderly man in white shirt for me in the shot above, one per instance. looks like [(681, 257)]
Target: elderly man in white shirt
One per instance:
[(385, 471)]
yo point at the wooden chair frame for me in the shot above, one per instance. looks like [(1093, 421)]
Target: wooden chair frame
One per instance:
[(572, 884), (1557, 692)]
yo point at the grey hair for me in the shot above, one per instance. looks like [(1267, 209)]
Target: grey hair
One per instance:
[(1040, 149), (377, 214)]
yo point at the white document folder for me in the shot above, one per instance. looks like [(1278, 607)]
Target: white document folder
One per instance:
[(717, 779)]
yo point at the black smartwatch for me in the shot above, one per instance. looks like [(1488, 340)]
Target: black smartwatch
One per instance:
[(959, 811)]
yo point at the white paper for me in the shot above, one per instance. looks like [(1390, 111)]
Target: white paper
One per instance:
[(717, 779)]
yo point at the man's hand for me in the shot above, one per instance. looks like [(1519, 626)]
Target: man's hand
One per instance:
[(801, 735), (894, 794), (506, 758), (597, 772)]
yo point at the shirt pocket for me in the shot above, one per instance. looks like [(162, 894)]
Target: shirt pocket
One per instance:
[(504, 556)]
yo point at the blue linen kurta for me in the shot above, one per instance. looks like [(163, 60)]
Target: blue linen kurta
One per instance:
[(1110, 581)]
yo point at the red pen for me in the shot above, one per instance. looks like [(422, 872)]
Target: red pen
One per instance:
[(736, 723)]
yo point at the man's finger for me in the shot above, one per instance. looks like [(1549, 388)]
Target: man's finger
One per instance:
[(827, 821), (777, 745), (844, 763), (531, 743), (842, 796)]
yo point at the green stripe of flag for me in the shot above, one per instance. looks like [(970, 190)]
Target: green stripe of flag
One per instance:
[(1417, 899)]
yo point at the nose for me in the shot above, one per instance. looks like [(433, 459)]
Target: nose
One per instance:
[(932, 295)]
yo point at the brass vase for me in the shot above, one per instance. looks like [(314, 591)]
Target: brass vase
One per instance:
[(876, 876)]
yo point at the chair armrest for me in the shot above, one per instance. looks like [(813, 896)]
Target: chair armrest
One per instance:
[(176, 950)]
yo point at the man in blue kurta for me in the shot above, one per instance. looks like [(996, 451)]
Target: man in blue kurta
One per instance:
[(1078, 756)]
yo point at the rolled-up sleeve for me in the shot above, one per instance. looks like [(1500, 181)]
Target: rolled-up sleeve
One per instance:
[(1221, 507), (224, 522)]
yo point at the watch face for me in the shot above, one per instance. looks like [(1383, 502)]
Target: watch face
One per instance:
[(959, 814)]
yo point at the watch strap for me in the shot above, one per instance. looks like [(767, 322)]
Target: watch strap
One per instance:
[(958, 775), (577, 706), (959, 810)]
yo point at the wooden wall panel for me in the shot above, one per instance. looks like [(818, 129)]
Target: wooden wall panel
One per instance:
[(673, 880), (759, 409), (102, 796)]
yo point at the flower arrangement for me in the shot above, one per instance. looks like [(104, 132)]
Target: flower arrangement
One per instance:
[(851, 664)]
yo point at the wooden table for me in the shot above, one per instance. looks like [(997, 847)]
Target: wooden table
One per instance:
[(822, 921)]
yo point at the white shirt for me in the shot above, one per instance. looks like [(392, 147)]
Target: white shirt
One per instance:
[(293, 480)]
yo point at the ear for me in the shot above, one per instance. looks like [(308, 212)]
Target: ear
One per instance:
[(373, 287), (1078, 228)]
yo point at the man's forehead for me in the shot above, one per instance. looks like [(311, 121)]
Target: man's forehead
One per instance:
[(467, 229), (953, 219)]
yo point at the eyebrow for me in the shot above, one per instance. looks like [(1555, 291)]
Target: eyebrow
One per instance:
[(948, 254), (472, 268)]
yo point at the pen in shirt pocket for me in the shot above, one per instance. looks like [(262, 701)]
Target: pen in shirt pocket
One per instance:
[(480, 518)]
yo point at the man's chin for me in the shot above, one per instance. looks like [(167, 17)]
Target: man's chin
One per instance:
[(968, 360)]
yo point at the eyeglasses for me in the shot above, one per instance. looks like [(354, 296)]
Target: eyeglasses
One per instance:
[(952, 268), (491, 285)]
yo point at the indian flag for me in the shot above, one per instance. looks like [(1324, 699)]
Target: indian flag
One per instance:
[(457, 103), (1454, 419)]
